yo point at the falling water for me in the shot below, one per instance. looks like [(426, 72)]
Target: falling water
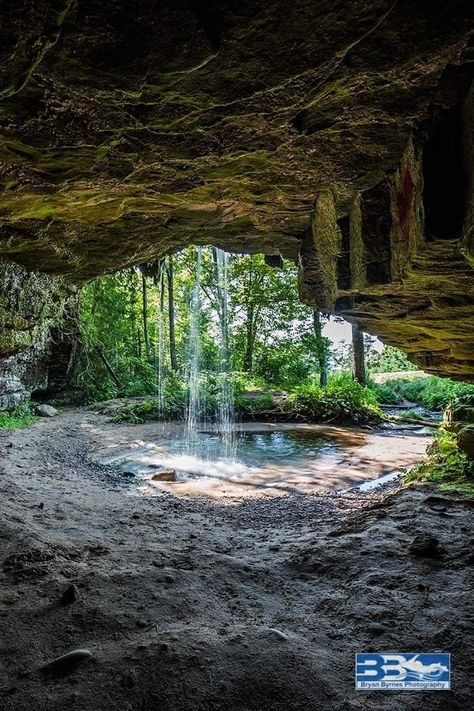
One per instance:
[(226, 404), (160, 353), (194, 354)]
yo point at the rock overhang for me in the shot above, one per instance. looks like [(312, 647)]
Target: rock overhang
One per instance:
[(129, 129)]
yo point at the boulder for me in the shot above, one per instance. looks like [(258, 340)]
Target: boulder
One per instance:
[(164, 475), (466, 441), (46, 411), (12, 392), (460, 413)]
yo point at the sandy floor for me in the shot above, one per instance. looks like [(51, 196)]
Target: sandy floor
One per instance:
[(247, 603)]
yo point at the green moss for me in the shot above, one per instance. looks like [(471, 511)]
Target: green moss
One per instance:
[(446, 466)]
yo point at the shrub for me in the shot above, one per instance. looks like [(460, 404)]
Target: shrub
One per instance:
[(386, 394), (344, 400), (446, 466), (431, 392), (21, 416)]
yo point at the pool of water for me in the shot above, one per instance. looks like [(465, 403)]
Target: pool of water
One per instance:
[(264, 458)]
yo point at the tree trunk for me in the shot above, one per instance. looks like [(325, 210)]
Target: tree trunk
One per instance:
[(321, 350), (250, 333), (108, 367), (171, 315), (146, 336), (136, 340), (358, 355)]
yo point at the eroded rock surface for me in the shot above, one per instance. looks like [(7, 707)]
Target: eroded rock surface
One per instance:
[(336, 134)]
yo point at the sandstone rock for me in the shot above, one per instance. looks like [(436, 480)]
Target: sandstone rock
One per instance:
[(466, 441), (46, 411), (315, 155), (164, 475)]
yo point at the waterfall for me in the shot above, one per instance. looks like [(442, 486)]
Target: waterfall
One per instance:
[(160, 345), (226, 401), (225, 407), (194, 353)]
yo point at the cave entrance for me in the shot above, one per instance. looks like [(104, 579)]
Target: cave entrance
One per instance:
[(237, 385), (445, 175)]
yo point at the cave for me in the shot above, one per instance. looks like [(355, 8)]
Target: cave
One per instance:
[(445, 175), (202, 507)]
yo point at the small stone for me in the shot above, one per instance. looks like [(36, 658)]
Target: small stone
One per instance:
[(66, 663), (46, 411), (164, 475), (425, 545), (141, 623), (70, 595)]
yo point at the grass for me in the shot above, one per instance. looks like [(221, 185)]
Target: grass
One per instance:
[(430, 392), (446, 466), (20, 416)]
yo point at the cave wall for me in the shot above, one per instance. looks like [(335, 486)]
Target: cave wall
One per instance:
[(33, 308), (335, 134)]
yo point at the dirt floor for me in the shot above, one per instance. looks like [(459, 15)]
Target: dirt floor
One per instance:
[(246, 603)]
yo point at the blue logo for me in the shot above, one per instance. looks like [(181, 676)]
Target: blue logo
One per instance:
[(392, 672)]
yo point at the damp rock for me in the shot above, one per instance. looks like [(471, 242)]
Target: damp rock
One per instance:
[(164, 475)]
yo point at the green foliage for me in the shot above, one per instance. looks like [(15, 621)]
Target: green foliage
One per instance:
[(275, 342), (446, 466), (385, 393), (413, 414), (285, 365), (344, 400), (21, 416), (388, 360), (431, 392)]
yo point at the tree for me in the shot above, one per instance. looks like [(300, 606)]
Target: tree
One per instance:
[(321, 349), (358, 355), (171, 314), (264, 307), (146, 336)]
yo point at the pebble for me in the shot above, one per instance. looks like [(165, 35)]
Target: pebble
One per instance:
[(67, 663)]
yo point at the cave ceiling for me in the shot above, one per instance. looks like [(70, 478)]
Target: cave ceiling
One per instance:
[(129, 128)]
